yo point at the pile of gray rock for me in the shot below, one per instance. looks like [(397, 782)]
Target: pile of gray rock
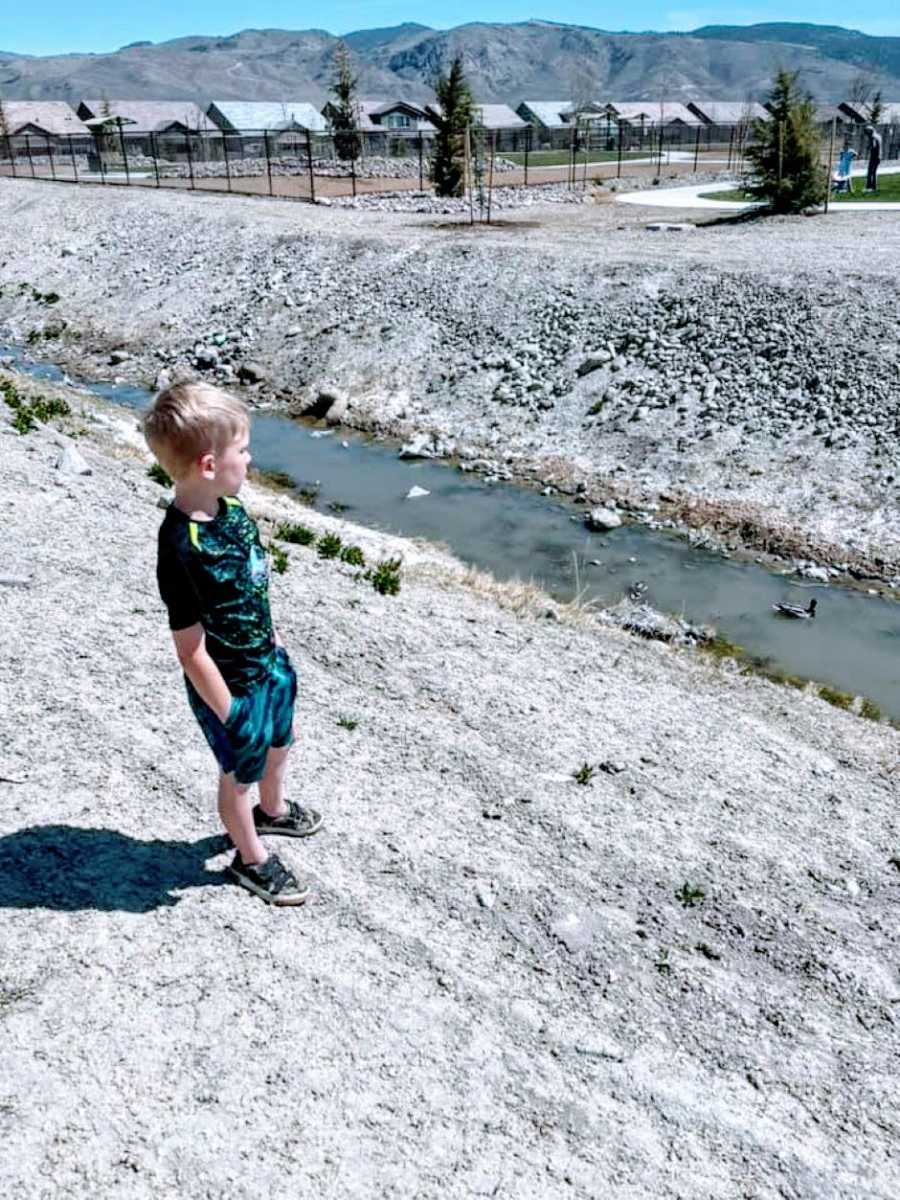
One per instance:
[(502, 199)]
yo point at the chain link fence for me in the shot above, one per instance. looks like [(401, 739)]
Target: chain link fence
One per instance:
[(303, 166)]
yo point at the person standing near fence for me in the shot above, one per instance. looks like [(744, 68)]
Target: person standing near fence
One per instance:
[(874, 158)]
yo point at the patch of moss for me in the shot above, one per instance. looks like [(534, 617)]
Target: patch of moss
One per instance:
[(870, 710), (281, 481)]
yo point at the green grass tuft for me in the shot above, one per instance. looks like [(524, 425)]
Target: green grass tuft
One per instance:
[(159, 475), (298, 535), (280, 560), (329, 545), (353, 556), (385, 577)]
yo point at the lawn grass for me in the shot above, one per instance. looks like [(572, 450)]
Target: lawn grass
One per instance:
[(888, 191), (560, 158)]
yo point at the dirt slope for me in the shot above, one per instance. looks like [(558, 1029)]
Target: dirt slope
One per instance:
[(495, 990)]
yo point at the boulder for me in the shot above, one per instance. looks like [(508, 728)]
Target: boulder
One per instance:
[(71, 462), (119, 356), (602, 519), (251, 372), (594, 361)]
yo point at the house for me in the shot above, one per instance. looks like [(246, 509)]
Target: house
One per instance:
[(261, 116), (645, 113), (388, 116), (146, 116), (727, 112), (858, 114), (553, 120), (42, 119)]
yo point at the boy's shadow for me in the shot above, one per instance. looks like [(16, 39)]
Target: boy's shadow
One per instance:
[(67, 868)]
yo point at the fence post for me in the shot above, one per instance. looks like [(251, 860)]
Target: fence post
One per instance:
[(571, 171), (831, 163), (421, 162), (124, 155), (491, 173), (190, 158), (730, 147), (154, 154), (353, 169), (309, 163), (696, 149), (28, 152), (12, 157), (72, 156), (619, 156), (50, 157), (225, 156)]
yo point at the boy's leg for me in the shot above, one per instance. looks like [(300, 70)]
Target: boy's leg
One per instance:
[(271, 786), (236, 812)]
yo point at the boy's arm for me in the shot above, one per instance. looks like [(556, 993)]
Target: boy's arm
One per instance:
[(190, 646)]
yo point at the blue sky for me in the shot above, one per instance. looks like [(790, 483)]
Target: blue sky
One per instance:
[(58, 26)]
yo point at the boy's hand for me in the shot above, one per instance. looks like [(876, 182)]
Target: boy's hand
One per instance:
[(190, 646)]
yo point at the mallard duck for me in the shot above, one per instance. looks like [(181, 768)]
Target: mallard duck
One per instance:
[(795, 611), (637, 589)]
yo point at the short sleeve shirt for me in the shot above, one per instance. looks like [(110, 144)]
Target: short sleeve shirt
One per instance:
[(215, 573)]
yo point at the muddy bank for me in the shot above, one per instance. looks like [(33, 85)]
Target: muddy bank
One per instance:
[(740, 377), (663, 981)]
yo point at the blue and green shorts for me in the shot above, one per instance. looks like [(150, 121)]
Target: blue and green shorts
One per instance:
[(258, 721)]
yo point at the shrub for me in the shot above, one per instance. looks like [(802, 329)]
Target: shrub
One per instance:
[(349, 723), (385, 577), (354, 556), (453, 116), (328, 545), (298, 535), (836, 697), (584, 774), (280, 560)]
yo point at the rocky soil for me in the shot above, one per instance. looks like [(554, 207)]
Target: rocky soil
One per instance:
[(739, 376), (677, 979)]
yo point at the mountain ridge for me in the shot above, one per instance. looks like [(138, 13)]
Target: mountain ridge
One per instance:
[(505, 62)]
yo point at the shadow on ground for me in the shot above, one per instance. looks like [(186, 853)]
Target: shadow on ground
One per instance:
[(67, 868)]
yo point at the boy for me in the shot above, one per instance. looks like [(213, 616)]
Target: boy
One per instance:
[(213, 579)]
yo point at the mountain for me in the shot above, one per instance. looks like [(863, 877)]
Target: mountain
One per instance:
[(504, 62)]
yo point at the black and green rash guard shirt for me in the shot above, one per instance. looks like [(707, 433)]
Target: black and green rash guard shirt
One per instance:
[(215, 572)]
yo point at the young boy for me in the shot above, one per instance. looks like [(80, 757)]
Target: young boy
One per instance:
[(213, 579)]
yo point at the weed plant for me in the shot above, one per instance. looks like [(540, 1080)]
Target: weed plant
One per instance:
[(584, 774), (280, 560), (353, 556), (159, 475), (349, 723), (27, 413), (690, 896)]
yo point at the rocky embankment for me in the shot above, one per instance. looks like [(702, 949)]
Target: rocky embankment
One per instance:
[(738, 379), (592, 917)]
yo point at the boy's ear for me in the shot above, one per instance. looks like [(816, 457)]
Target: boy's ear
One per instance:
[(207, 464)]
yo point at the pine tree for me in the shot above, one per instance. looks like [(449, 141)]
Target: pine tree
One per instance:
[(4, 123), (453, 116), (344, 108), (786, 150)]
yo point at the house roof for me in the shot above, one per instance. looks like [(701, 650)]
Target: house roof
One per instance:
[(499, 116), (652, 111), (151, 116), (727, 112), (263, 114), (52, 116), (548, 112), (380, 108)]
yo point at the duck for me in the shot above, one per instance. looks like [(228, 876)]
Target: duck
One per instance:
[(795, 611), (637, 589)]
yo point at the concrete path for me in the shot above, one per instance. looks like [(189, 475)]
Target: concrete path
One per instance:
[(693, 197)]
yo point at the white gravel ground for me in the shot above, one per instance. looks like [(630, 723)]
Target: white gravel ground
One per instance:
[(495, 990)]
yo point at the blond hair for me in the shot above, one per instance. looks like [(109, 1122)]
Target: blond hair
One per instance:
[(188, 420)]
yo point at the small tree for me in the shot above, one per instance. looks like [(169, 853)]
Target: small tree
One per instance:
[(876, 108), (344, 120), (786, 150), (4, 123), (453, 116)]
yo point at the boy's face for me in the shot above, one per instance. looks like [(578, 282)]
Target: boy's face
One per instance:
[(230, 464)]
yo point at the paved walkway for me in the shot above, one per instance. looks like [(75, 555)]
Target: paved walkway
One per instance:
[(692, 197)]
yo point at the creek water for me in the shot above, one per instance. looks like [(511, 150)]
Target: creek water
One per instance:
[(853, 644)]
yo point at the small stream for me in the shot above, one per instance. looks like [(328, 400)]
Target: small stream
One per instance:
[(853, 645)]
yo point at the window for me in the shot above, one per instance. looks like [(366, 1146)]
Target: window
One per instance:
[(397, 120)]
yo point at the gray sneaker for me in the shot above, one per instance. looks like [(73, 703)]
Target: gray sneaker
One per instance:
[(271, 880), (296, 822)]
